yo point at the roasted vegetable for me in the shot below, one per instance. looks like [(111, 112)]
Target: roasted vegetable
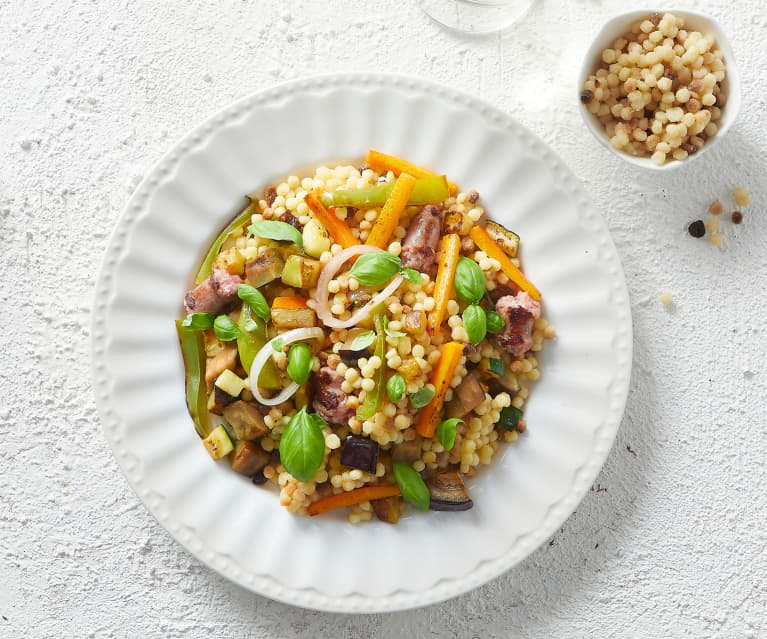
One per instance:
[(485, 243), (387, 509), (316, 239), (193, 351), (441, 378), (390, 213), (360, 452), (338, 229), (249, 458), (407, 451), (352, 497), (231, 261), (239, 221), (225, 359), (372, 401), (382, 163), (245, 419), (449, 252), (292, 312), (503, 237), (301, 272), (510, 417), (218, 444), (230, 383), (218, 400), (250, 342), (266, 267), (414, 322), (448, 492), (428, 190), (467, 396)]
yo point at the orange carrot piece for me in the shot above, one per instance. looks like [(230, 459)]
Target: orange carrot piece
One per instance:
[(289, 301), (351, 497), (486, 244), (382, 163), (338, 229), (390, 213), (441, 378), (449, 252)]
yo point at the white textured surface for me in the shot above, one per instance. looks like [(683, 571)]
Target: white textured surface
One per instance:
[(91, 96)]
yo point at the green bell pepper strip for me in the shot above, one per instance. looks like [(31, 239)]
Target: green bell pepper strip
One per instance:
[(372, 401), (248, 345), (193, 350), (429, 190), (207, 264)]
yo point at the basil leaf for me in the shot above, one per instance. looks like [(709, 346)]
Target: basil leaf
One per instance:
[(225, 329), (372, 269), (274, 230), (197, 321), (496, 366), (255, 299), (302, 446), (421, 397), (411, 275), (469, 281), (277, 345), (446, 432), (412, 486), (300, 360), (362, 341), (495, 322), (475, 323), (395, 388)]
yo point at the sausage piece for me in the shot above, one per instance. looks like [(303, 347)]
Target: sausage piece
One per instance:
[(419, 247), (212, 295), (330, 400), (519, 312)]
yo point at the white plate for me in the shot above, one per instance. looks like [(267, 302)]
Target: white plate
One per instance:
[(324, 562)]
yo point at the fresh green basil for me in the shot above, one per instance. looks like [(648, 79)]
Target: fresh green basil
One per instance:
[(421, 397), (411, 275), (510, 417), (372, 269), (469, 281), (255, 299), (362, 341), (302, 445), (475, 323), (446, 432), (496, 366), (277, 345), (412, 486), (225, 329), (274, 230), (300, 360), (197, 322), (495, 323), (395, 388)]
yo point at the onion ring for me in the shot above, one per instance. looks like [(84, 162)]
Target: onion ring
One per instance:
[(331, 268), (295, 335)]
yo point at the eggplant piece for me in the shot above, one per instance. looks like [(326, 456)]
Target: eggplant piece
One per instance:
[(293, 317), (448, 492), (249, 458), (226, 359), (301, 272), (246, 420), (360, 452), (265, 268), (407, 451), (218, 400), (387, 509), (467, 397), (415, 322)]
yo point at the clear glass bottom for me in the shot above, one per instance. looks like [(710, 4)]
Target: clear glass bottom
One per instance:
[(476, 16)]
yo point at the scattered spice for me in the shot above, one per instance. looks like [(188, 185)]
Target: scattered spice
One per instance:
[(737, 217), (697, 228), (631, 450), (742, 198), (666, 299), (716, 208)]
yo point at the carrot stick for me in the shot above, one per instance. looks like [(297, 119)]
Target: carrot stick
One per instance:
[(289, 301), (441, 378), (449, 252), (382, 163), (338, 229), (349, 498), (486, 244), (390, 213)]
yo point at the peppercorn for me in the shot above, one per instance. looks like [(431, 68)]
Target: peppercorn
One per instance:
[(697, 228), (587, 96), (737, 217)]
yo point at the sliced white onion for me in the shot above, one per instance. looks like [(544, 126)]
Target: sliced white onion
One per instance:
[(296, 335), (331, 268)]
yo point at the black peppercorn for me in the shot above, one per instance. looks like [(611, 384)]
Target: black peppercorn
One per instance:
[(737, 217), (697, 228)]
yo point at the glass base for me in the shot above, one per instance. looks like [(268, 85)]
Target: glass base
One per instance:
[(476, 16)]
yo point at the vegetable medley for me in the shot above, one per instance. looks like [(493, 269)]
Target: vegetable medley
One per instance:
[(361, 338)]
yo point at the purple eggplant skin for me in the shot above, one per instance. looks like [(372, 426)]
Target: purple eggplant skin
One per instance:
[(360, 452), (448, 492)]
